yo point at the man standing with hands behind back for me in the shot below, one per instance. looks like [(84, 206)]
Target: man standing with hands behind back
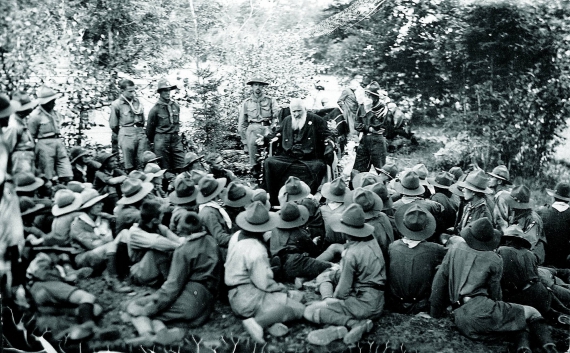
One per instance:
[(255, 116), (162, 129), (127, 121)]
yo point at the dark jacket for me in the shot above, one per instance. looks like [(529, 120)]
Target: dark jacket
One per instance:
[(159, 120), (557, 232), (306, 144), (445, 219)]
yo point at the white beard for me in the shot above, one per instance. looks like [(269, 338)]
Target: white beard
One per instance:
[(298, 124)]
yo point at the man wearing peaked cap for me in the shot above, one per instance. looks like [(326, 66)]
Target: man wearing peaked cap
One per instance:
[(253, 292), (257, 113), (44, 124), (127, 121), (18, 138), (162, 128), (363, 271), (522, 214), (291, 243), (499, 183), (413, 260), (556, 220), (470, 280)]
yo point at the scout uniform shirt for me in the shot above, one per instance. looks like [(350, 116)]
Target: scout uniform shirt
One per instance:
[(257, 110), (43, 124), (125, 113), (163, 118)]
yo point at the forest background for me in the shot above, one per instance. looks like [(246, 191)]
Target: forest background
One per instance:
[(492, 76)]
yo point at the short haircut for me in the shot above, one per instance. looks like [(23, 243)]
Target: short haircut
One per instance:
[(124, 84)]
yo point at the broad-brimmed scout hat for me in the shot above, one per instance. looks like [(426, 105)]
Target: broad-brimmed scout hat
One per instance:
[(152, 170), (190, 158), (476, 181), (292, 215), (26, 102), (257, 80), (336, 191), (352, 222), (442, 180), (480, 235), (149, 156), (382, 191), (29, 207), (561, 191), (520, 198), (7, 106), (256, 218), (294, 189), (209, 188), (409, 184), (46, 94), (370, 202), (364, 179), (76, 152), (237, 195), (515, 232), (133, 191), (26, 182), (261, 196), (185, 191), (501, 172), (389, 169), (90, 197), (414, 222), (422, 172), (163, 84), (66, 201)]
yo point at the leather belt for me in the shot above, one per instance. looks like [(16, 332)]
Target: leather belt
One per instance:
[(234, 287), (265, 122), (54, 136)]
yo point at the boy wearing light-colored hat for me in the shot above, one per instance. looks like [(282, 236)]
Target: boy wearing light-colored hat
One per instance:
[(359, 293)]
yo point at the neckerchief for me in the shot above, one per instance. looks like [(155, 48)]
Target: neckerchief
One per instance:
[(223, 212), (560, 206), (411, 243), (135, 111), (334, 205), (168, 105), (54, 119), (24, 123), (258, 106)]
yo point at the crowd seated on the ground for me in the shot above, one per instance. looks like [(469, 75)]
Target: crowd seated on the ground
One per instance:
[(385, 240)]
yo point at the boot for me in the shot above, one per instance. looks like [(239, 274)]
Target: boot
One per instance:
[(541, 334), (357, 329), (111, 276), (522, 342), (325, 336), (254, 330)]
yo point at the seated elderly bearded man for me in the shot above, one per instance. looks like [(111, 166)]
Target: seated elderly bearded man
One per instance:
[(302, 138)]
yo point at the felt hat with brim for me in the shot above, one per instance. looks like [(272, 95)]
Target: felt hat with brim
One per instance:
[(137, 174), (414, 222), (422, 172), (361, 178), (409, 184), (152, 170), (190, 158), (257, 80), (90, 197), (480, 235), (371, 203), (185, 191), (26, 182), (103, 157), (256, 218), (352, 222), (442, 180), (292, 215), (133, 191), (389, 169), (294, 189), (457, 173), (149, 156), (78, 187), (7, 106), (454, 188), (197, 175), (237, 195), (29, 207), (336, 190), (76, 152), (561, 191), (164, 85), (382, 191), (514, 232), (501, 172), (46, 94), (26, 102), (66, 201), (476, 181), (373, 88), (261, 196), (209, 188), (520, 198)]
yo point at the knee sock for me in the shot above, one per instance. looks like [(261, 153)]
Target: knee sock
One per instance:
[(112, 265), (85, 312), (280, 314), (329, 317), (326, 290)]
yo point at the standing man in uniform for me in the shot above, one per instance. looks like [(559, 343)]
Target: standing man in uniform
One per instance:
[(127, 121), (44, 124), (21, 145), (255, 116), (162, 129)]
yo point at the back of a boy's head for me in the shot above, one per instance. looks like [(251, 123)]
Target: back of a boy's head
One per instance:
[(150, 209), (190, 222)]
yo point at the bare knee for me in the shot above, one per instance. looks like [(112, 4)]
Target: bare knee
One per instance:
[(80, 296)]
